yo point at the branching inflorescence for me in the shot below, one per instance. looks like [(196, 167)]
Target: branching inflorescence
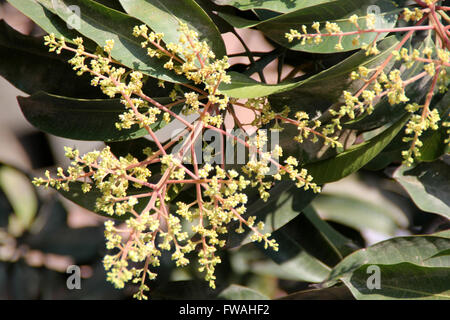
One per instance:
[(377, 83), (219, 191)]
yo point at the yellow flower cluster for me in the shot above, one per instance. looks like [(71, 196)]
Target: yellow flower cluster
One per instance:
[(126, 186)]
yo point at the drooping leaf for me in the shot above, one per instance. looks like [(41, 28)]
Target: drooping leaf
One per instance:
[(164, 16), (23, 203), (82, 244), (428, 184)]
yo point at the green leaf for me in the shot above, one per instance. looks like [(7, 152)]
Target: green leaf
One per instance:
[(403, 281), (336, 12), (29, 66), (242, 86), (428, 184), (326, 85), (411, 249), (80, 119), (164, 16), (441, 254), (101, 23), (354, 158), (236, 292), (274, 5)]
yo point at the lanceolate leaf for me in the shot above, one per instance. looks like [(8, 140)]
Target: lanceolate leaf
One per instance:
[(101, 23), (79, 119), (327, 85), (286, 203), (355, 213), (165, 15), (356, 157), (428, 184)]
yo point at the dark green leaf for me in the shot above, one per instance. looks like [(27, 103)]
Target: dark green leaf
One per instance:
[(79, 119), (428, 184)]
